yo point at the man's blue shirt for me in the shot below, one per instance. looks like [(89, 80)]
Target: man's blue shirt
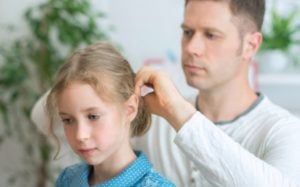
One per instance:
[(138, 174)]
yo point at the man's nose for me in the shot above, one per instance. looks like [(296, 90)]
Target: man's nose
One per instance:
[(196, 46)]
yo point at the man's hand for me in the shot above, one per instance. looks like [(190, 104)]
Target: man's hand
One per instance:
[(165, 100)]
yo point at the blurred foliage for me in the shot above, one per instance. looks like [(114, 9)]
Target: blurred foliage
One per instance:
[(282, 33), (27, 66)]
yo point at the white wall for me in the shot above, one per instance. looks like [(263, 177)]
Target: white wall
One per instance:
[(149, 32), (11, 13)]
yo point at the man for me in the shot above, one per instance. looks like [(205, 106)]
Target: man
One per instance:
[(237, 137), (240, 138)]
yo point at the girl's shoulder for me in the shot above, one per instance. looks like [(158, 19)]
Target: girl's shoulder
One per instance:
[(76, 171), (154, 179)]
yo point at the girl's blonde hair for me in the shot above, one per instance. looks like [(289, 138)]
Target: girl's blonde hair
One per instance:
[(102, 67)]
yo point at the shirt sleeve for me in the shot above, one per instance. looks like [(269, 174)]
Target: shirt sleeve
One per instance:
[(40, 118), (39, 114), (223, 162)]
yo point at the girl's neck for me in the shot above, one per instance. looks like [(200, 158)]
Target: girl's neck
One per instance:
[(112, 167)]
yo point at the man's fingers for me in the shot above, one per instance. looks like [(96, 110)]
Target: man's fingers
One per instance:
[(142, 79), (150, 102)]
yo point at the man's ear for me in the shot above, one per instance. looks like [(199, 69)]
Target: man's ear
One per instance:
[(252, 42), (131, 107)]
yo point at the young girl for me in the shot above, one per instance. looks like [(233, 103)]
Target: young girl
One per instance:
[(93, 95)]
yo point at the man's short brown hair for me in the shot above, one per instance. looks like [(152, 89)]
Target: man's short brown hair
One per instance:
[(252, 10)]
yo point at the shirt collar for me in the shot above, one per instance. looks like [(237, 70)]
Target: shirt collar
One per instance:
[(128, 177), (259, 99)]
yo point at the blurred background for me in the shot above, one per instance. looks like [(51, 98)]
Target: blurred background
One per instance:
[(36, 36)]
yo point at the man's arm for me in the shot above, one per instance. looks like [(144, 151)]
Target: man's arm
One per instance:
[(39, 114), (220, 159), (223, 162)]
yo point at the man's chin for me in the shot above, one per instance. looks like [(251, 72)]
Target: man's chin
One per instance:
[(191, 83), (195, 84)]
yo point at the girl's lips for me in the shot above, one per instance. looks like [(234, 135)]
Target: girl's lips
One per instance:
[(87, 152)]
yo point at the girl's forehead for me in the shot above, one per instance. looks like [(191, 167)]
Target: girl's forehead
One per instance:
[(81, 96)]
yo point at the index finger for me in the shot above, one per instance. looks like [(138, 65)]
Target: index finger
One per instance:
[(142, 79)]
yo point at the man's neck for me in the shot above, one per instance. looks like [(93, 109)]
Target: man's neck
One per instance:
[(225, 106)]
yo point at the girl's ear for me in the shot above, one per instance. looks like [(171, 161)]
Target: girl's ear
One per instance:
[(131, 107)]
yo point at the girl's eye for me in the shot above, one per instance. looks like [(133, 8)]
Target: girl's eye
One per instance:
[(67, 121), (93, 117)]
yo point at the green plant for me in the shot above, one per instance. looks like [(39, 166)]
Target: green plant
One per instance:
[(27, 66), (282, 32)]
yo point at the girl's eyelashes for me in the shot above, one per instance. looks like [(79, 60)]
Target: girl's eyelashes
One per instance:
[(67, 121), (70, 120)]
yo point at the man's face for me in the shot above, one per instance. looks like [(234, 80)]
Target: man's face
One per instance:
[(211, 45)]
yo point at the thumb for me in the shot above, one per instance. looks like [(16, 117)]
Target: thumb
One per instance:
[(150, 101)]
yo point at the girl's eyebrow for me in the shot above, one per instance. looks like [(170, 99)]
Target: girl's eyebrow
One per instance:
[(90, 109), (63, 114), (84, 110)]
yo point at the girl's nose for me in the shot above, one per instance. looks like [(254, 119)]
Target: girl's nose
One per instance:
[(83, 132)]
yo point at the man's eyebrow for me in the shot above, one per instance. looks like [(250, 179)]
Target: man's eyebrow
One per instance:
[(211, 29), (183, 26), (214, 30)]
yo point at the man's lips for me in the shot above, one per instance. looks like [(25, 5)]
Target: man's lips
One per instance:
[(193, 68)]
